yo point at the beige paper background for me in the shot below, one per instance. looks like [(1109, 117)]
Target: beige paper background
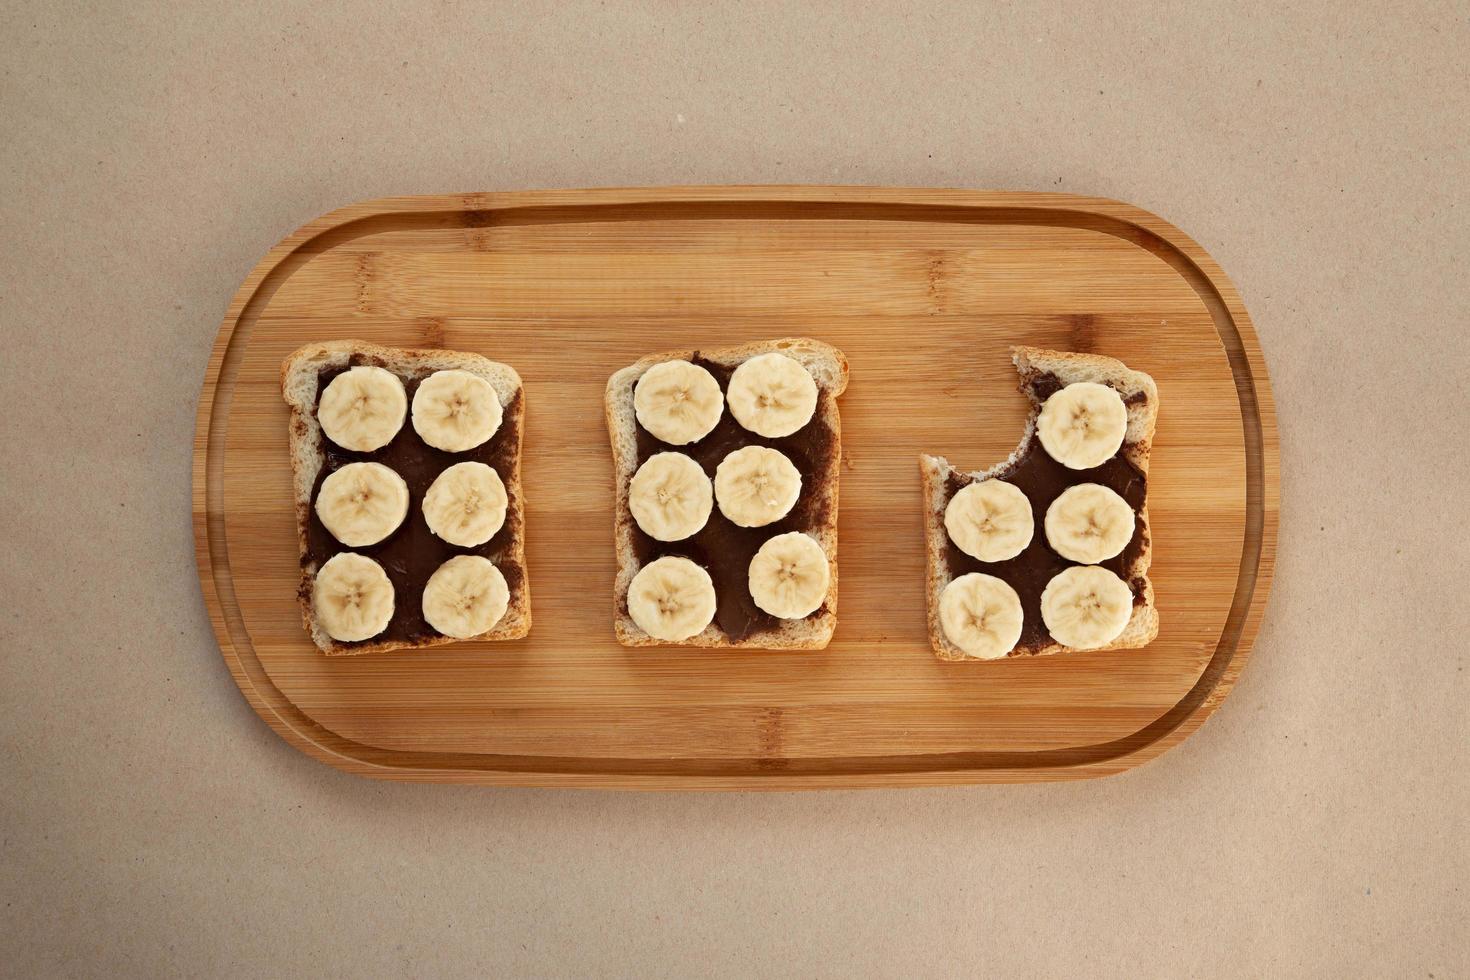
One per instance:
[(151, 825)]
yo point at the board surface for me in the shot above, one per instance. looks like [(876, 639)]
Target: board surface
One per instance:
[(924, 290)]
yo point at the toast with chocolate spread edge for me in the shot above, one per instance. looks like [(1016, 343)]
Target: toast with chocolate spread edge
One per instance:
[(299, 377), (828, 366), (1069, 368)]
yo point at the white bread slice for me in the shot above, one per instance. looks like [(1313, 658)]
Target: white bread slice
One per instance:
[(829, 367), (299, 374), (935, 471)]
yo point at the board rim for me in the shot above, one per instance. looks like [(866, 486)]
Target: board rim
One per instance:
[(1126, 221)]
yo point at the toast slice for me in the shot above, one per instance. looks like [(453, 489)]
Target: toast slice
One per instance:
[(412, 552), (721, 547), (1043, 372)]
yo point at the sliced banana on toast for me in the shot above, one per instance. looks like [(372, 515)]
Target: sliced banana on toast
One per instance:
[(772, 395), (788, 576), (678, 402), (756, 486), (990, 520), (1089, 523), (670, 497), (465, 505), (672, 598), (455, 410), (981, 614), (362, 408), (465, 597), (1086, 606), (362, 503), (353, 597), (1082, 425)]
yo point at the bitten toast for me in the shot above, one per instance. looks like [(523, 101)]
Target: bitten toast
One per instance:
[(1042, 479)]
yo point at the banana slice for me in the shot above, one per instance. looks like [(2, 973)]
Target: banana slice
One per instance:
[(772, 395), (981, 615), (1089, 523), (465, 505), (1086, 606), (756, 486), (362, 503), (362, 408), (465, 597), (789, 575), (456, 410), (670, 497), (990, 520), (678, 402), (352, 597), (671, 599), (1082, 425)]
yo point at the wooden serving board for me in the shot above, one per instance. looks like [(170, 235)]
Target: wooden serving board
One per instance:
[(924, 290)]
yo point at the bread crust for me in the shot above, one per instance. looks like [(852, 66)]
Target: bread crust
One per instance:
[(829, 367), (299, 373), (934, 473)]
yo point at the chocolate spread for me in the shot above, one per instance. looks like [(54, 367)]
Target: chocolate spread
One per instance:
[(412, 553), (725, 549), (1043, 479)]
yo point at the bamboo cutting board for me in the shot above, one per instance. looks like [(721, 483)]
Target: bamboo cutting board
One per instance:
[(924, 290)]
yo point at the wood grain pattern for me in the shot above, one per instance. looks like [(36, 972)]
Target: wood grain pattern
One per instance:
[(924, 290)]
